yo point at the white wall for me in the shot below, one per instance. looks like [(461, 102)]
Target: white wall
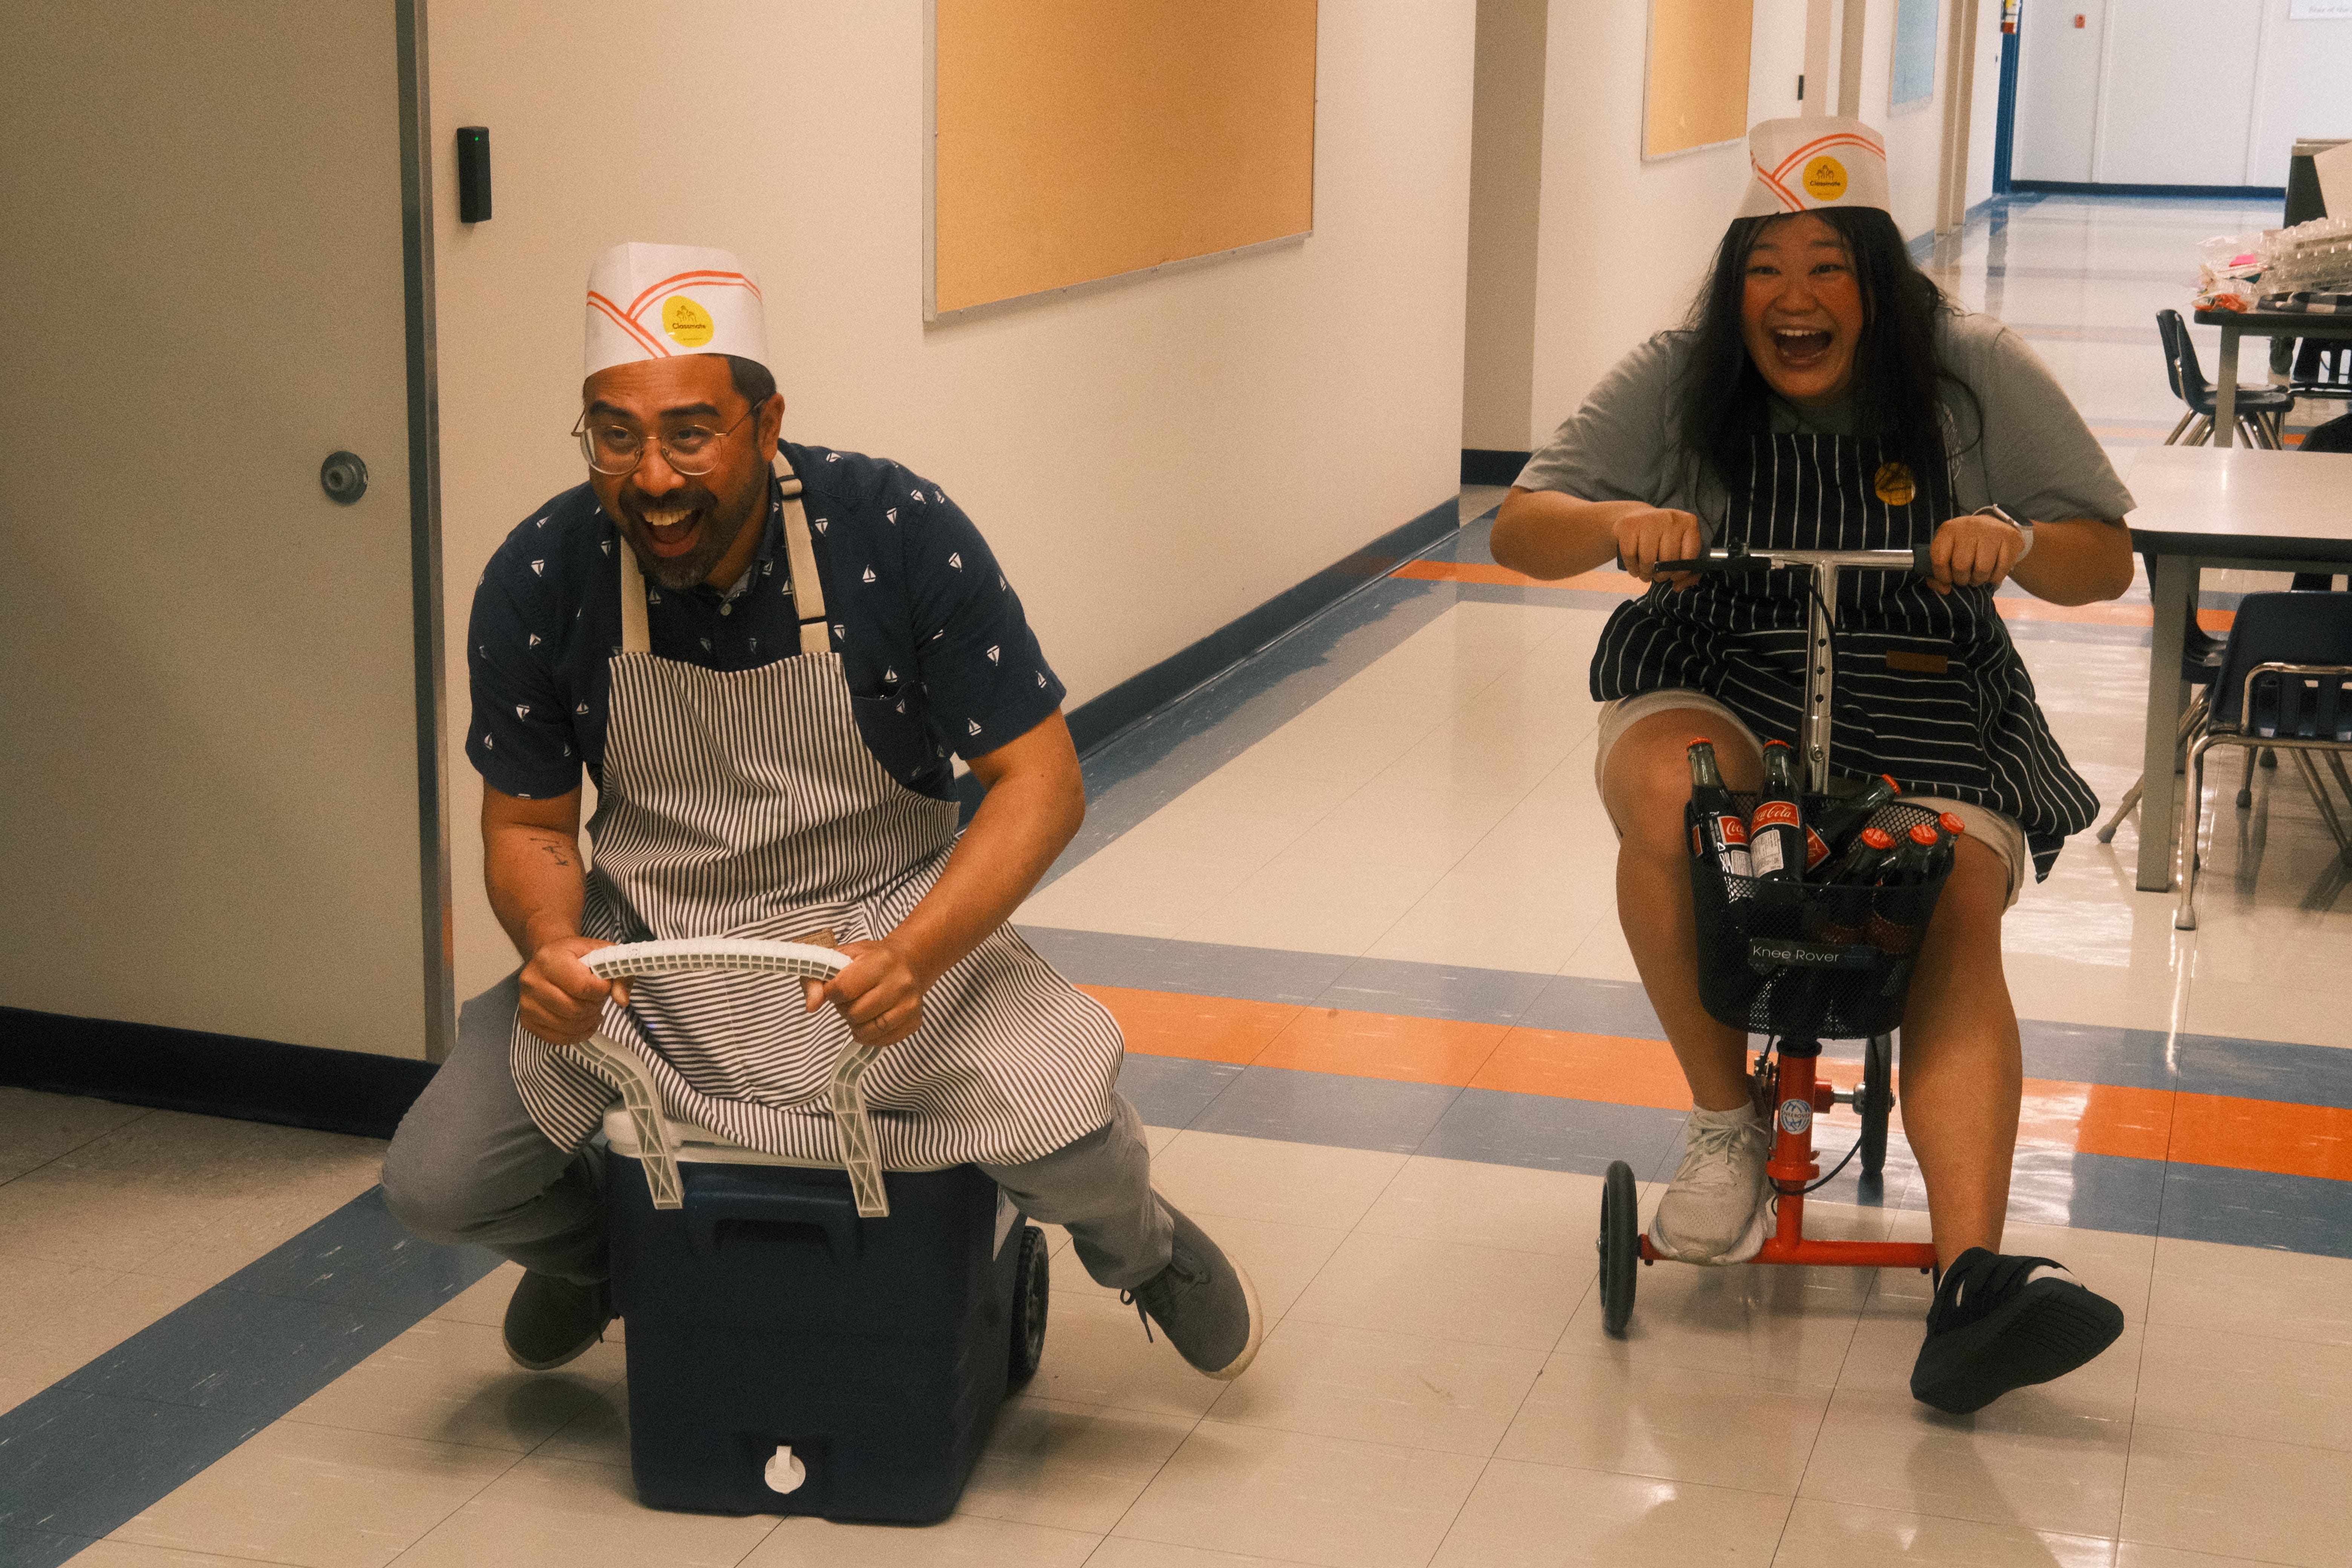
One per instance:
[(2186, 92), (1150, 460), (2058, 67), (1506, 211), (1622, 244), (2302, 87), (2176, 88), (1984, 104), (1915, 138)]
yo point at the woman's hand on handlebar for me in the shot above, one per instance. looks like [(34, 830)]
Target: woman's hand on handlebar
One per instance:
[(1974, 551), (562, 1002), (1653, 534), (879, 993)]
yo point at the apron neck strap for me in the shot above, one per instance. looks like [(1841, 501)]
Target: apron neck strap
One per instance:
[(634, 636), (808, 591)]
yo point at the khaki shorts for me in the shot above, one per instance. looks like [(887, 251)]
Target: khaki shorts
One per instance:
[(1996, 832)]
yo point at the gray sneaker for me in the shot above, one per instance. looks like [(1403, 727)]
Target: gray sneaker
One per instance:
[(551, 1321), (1715, 1209), (1203, 1302)]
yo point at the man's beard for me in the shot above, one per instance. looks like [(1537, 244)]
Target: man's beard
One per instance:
[(721, 526)]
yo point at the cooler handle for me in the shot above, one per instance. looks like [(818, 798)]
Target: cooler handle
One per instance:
[(833, 1213), (621, 1069)]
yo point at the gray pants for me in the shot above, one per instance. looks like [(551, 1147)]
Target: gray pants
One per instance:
[(469, 1166)]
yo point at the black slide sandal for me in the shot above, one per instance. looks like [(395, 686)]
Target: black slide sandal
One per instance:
[(1995, 1328)]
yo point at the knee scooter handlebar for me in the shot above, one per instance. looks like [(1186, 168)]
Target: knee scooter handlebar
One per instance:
[(620, 1067), (1915, 560)]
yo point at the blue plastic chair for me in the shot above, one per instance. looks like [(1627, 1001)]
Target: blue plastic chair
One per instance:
[(2260, 410), (2285, 683)]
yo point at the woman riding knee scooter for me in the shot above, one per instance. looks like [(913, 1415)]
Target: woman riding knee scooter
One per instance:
[(1825, 394)]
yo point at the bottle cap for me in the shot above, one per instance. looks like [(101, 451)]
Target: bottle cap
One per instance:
[(1696, 741), (1951, 823), (1782, 744), (1878, 838), (1921, 833), (1891, 784)]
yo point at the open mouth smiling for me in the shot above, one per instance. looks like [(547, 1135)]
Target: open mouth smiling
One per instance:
[(670, 530), (1800, 348)]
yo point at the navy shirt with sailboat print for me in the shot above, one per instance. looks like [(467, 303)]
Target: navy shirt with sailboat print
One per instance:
[(939, 657)]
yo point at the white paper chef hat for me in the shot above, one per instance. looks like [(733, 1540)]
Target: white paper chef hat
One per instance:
[(652, 301), (1820, 162)]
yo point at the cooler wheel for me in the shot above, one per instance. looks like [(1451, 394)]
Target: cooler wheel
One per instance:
[(1621, 1246), (1031, 1291)]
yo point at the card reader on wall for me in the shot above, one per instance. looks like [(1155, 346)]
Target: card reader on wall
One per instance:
[(473, 174)]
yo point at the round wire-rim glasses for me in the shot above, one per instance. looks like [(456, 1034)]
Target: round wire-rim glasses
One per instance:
[(613, 448)]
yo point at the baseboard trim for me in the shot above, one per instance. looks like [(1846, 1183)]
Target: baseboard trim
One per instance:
[(210, 1074), (1141, 695), (2079, 188), (1486, 466)]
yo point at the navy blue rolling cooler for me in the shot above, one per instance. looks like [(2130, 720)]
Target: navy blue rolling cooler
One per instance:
[(786, 1356)]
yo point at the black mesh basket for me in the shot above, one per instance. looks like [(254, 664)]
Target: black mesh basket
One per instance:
[(1811, 961)]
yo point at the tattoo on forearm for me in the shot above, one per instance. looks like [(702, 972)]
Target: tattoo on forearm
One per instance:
[(554, 848)]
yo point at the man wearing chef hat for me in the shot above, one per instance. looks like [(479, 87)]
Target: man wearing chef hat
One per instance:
[(767, 656)]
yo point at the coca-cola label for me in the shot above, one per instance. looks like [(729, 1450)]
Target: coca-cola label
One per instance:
[(1815, 850), (1774, 813), (1733, 830)]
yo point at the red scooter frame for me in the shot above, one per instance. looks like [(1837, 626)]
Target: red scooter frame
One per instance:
[(1791, 1085), (1787, 1081)]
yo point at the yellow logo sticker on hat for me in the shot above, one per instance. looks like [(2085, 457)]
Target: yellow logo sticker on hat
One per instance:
[(1825, 179), (687, 324), (1893, 483)]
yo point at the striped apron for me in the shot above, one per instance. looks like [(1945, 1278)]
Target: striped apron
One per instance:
[(1929, 689), (747, 805)]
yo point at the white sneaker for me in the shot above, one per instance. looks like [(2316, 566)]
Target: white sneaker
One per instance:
[(1718, 1208)]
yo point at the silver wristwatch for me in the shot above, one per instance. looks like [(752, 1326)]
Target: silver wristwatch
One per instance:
[(1994, 510)]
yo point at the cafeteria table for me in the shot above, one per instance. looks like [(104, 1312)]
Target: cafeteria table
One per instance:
[(2199, 507), (2235, 324)]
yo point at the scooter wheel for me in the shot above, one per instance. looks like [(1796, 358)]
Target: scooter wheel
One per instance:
[(1877, 1102), (1032, 1289), (1621, 1246)]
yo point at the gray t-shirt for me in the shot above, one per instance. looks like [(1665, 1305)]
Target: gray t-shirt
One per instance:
[(2035, 457)]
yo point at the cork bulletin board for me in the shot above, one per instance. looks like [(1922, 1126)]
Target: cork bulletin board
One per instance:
[(1076, 140), (1696, 93)]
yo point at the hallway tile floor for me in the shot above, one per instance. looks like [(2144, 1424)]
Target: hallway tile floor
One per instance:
[(1353, 905)]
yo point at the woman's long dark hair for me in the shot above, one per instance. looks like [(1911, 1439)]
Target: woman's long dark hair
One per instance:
[(1720, 403)]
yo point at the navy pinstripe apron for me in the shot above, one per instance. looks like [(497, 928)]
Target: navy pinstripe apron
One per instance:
[(1930, 690), (747, 805)]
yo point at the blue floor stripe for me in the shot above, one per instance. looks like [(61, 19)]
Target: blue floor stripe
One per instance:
[(82, 1458), (2073, 1053), (2047, 1186)]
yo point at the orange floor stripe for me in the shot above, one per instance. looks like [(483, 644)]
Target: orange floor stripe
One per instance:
[(2096, 1118), (2083, 1118), (2264, 1135), (1568, 1066), (1205, 1028), (1382, 1044)]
